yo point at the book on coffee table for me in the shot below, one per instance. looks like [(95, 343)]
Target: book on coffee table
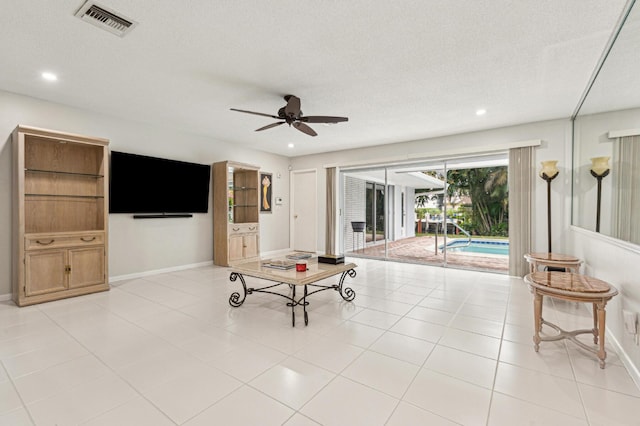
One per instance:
[(299, 255), (279, 264)]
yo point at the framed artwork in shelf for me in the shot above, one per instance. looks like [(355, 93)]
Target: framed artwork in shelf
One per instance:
[(266, 192)]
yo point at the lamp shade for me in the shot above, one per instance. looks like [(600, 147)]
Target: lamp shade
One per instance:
[(599, 165), (549, 168)]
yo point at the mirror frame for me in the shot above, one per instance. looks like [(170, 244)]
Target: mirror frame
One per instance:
[(586, 190)]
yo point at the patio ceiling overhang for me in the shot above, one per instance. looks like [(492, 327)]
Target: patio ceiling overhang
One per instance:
[(413, 176), (410, 179)]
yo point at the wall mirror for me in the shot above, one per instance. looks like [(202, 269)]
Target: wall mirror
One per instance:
[(606, 140)]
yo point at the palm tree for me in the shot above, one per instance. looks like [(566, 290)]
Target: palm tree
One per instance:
[(487, 187)]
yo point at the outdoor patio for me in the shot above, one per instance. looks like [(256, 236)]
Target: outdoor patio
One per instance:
[(422, 249)]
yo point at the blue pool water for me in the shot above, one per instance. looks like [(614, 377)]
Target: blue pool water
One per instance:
[(479, 246)]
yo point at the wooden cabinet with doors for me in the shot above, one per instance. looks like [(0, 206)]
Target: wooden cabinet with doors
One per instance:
[(236, 193), (244, 241), (60, 215)]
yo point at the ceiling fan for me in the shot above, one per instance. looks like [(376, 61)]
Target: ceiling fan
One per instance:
[(292, 115)]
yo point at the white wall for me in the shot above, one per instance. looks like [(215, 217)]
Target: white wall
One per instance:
[(139, 245), (618, 264)]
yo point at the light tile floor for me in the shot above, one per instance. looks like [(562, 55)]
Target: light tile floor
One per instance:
[(418, 345)]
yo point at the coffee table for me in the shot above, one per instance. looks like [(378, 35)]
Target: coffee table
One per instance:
[(575, 288), (315, 272)]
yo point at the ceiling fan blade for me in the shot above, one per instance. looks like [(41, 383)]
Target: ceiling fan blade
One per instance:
[(322, 119), (254, 113), (304, 128), (268, 126), (293, 106)]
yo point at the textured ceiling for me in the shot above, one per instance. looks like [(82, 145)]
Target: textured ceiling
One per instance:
[(401, 70)]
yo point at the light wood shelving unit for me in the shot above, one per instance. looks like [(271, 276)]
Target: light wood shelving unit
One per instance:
[(60, 215), (236, 228)]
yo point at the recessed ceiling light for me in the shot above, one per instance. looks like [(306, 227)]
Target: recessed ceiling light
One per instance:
[(290, 145), (481, 112), (49, 76)]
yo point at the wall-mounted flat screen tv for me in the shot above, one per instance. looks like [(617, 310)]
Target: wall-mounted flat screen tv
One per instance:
[(141, 184)]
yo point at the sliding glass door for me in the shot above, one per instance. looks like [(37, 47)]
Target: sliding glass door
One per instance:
[(447, 212), (375, 212)]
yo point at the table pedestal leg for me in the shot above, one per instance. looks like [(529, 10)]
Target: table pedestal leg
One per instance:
[(595, 323), (537, 314), (601, 314)]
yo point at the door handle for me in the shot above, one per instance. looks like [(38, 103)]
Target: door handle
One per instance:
[(44, 244)]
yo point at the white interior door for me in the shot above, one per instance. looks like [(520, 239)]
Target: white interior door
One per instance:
[(304, 210)]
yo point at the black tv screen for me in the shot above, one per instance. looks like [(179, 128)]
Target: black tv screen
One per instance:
[(141, 184)]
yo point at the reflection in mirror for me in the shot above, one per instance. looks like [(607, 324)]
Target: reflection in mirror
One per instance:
[(606, 141)]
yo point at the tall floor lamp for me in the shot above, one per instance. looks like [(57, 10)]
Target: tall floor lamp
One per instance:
[(549, 172), (599, 169)]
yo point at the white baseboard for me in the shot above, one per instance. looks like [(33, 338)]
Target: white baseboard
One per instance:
[(159, 271), (5, 297), (628, 363)]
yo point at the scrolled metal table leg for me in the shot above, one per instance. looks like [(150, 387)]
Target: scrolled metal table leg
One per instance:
[(234, 299), (293, 307), (346, 293), (304, 307)]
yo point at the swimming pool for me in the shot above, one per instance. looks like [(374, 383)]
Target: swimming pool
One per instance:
[(498, 247)]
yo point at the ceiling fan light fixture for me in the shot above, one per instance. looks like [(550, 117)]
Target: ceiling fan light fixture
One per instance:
[(292, 115)]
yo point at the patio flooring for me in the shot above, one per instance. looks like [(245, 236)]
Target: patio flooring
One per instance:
[(422, 250)]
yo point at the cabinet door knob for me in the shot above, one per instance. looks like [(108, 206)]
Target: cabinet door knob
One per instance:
[(43, 243), (87, 240)]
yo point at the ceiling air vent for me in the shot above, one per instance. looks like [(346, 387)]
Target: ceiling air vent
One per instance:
[(105, 18)]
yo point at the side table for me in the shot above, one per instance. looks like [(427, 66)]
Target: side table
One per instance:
[(576, 288), (555, 260)]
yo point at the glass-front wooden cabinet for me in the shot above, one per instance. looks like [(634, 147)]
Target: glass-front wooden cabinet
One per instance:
[(243, 194), (236, 210)]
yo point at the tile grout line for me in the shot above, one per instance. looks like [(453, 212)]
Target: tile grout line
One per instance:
[(15, 389), (108, 368), (495, 374)]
